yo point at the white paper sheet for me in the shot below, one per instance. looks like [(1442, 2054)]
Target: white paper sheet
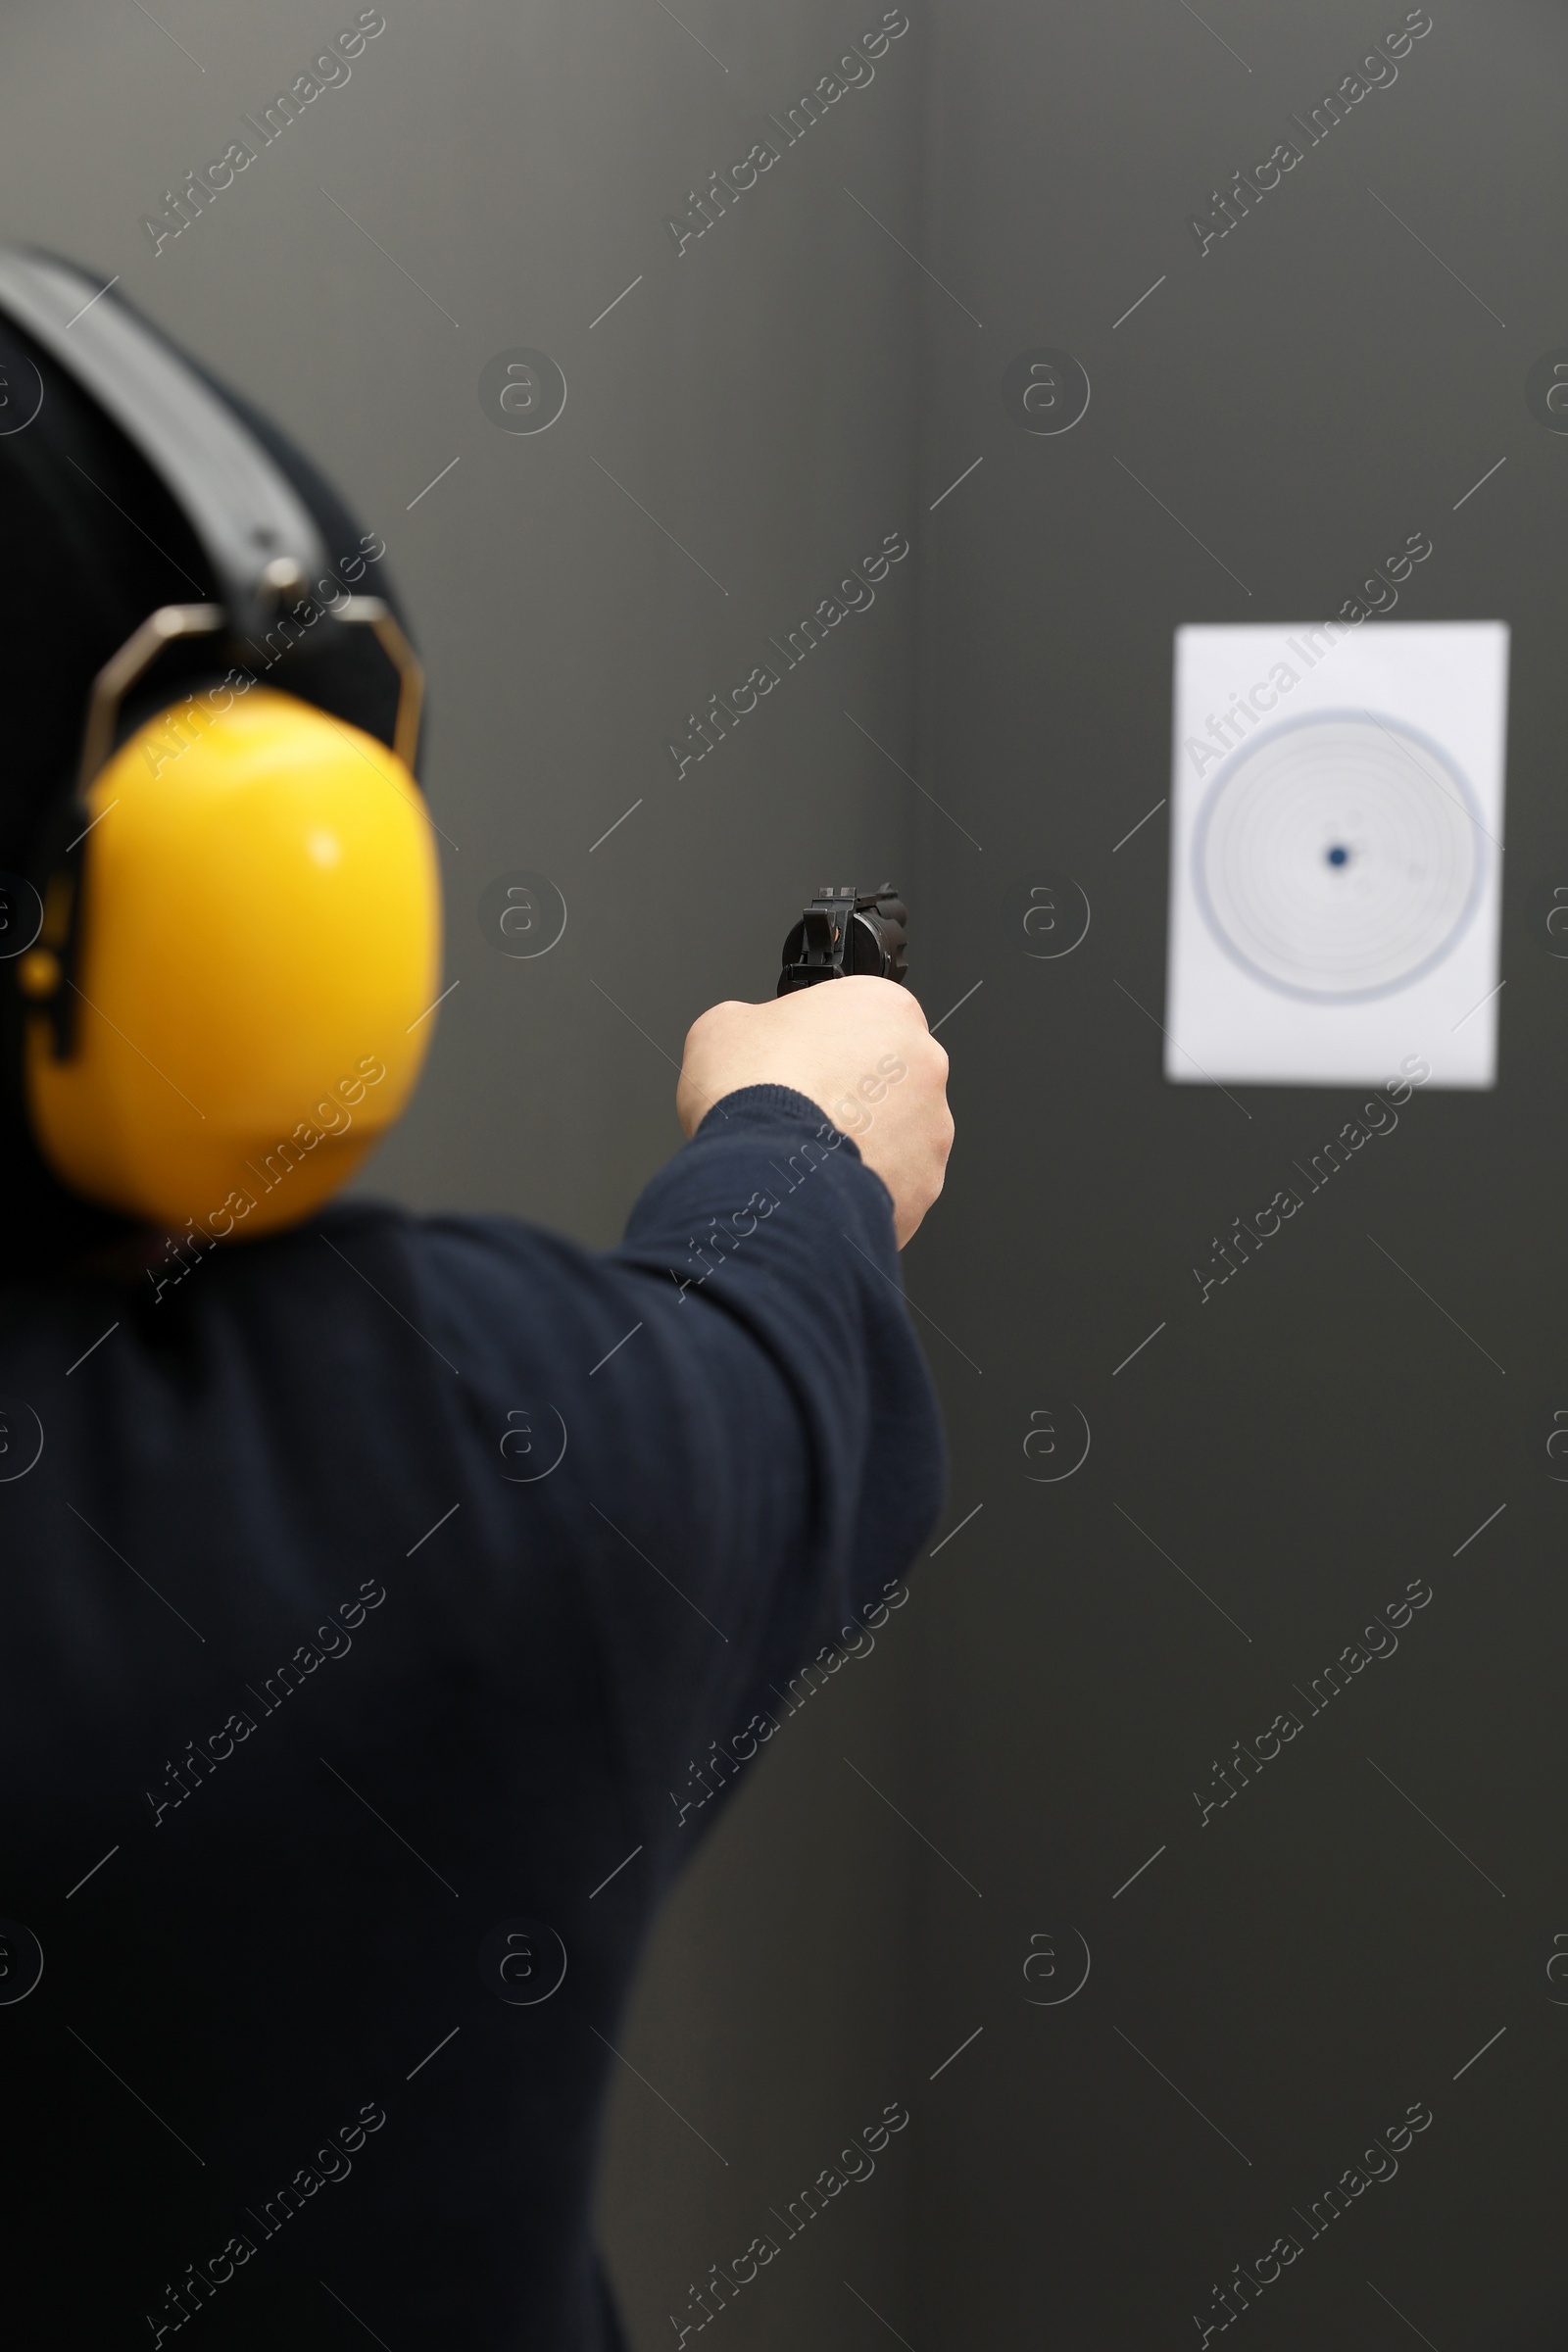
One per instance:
[(1336, 884)]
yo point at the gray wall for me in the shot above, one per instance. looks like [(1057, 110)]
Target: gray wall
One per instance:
[(1302, 397), (1279, 1985)]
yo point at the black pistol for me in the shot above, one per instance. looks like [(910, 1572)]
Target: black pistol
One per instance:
[(846, 931)]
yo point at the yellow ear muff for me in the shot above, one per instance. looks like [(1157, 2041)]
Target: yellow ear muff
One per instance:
[(259, 937)]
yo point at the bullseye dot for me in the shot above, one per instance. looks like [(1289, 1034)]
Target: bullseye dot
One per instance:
[(1337, 855)]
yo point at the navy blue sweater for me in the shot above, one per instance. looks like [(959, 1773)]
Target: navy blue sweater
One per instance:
[(377, 1590)]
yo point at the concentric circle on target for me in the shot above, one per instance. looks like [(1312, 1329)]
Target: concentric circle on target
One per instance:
[(1339, 857), (522, 1962), (20, 1960)]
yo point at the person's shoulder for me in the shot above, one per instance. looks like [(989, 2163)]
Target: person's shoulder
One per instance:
[(484, 1253), (392, 1225)]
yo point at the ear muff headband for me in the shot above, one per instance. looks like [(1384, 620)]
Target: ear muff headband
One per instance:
[(228, 998), (259, 537)]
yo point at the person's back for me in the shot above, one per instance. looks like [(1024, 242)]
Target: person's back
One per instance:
[(386, 1606)]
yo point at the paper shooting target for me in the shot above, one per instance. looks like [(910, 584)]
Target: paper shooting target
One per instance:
[(1339, 857)]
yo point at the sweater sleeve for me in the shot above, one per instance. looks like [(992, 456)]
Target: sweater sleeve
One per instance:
[(724, 1432)]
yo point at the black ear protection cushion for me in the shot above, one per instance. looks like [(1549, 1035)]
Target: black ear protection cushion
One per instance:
[(95, 542)]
